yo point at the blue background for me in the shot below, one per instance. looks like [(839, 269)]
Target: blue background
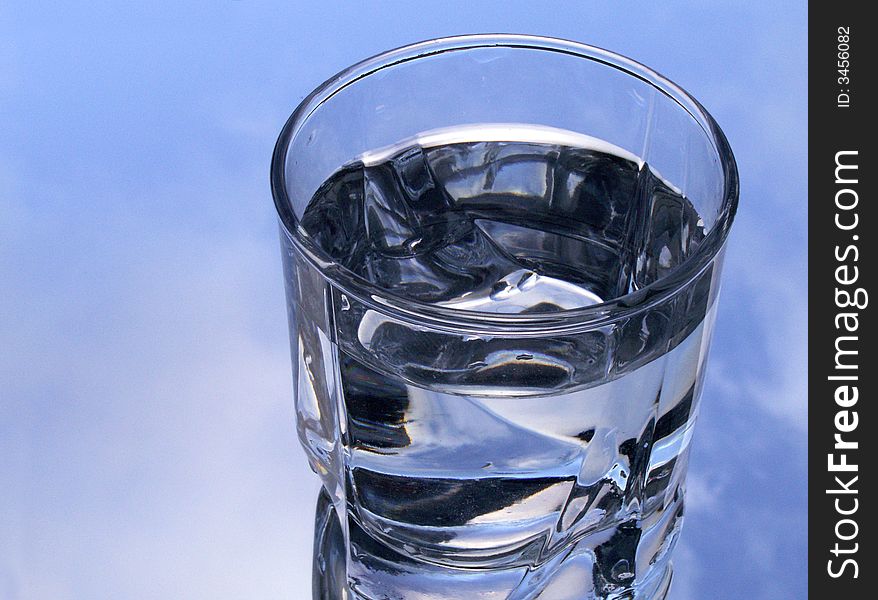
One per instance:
[(147, 447)]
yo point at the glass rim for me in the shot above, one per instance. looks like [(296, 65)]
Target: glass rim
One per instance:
[(422, 313)]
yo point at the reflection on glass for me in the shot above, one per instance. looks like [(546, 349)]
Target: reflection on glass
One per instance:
[(368, 569)]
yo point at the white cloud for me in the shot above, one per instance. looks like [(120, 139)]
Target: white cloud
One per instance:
[(156, 432), (772, 289)]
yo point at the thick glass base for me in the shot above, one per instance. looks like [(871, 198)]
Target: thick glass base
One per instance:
[(354, 566)]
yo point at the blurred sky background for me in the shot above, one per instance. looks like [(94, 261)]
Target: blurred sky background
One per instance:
[(147, 448)]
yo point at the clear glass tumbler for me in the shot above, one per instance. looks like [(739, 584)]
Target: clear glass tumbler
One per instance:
[(501, 256)]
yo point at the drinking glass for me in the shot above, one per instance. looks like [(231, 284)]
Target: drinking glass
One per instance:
[(502, 257)]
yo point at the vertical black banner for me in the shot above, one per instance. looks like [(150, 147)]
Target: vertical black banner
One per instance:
[(843, 439)]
